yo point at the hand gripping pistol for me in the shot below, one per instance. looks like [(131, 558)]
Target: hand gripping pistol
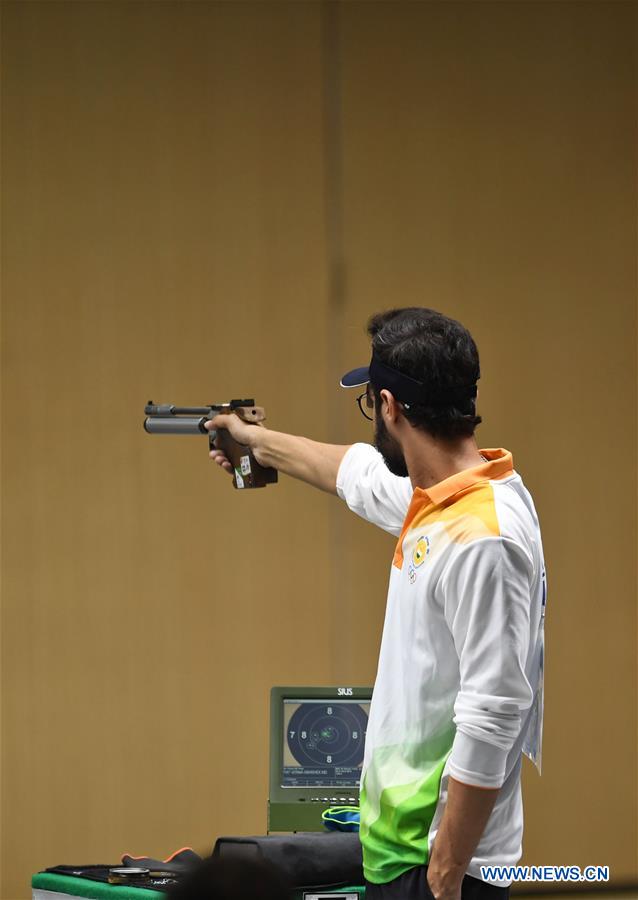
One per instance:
[(168, 419)]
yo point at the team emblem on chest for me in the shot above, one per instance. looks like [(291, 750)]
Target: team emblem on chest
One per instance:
[(421, 550)]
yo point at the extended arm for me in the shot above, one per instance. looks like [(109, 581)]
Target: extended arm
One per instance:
[(356, 473), (311, 461)]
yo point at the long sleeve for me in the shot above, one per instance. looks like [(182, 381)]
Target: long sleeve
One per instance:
[(487, 608), (371, 490)]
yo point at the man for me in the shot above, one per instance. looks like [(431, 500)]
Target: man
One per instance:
[(458, 693)]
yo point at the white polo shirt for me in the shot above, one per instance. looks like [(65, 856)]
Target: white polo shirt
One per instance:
[(459, 682)]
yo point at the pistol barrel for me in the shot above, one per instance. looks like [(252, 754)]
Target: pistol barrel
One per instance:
[(167, 409), (175, 424)]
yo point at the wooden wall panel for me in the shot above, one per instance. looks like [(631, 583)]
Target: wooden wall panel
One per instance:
[(164, 238)]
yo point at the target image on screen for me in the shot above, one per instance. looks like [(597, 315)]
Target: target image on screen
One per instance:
[(323, 742)]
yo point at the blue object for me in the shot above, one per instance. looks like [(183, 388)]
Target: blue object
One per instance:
[(341, 818)]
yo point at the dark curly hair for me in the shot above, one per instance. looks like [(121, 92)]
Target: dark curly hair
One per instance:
[(441, 353)]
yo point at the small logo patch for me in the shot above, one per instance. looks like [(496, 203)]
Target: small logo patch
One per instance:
[(421, 550)]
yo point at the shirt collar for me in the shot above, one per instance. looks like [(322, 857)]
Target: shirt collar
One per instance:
[(499, 465)]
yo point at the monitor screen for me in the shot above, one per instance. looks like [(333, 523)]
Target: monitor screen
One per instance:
[(323, 742)]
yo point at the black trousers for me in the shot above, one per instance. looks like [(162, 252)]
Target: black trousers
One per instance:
[(412, 885)]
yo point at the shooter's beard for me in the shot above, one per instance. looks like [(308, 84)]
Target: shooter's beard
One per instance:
[(389, 448)]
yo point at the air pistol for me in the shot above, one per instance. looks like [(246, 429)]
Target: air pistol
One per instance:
[(164, 418)]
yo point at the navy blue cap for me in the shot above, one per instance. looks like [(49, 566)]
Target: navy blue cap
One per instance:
[(404, 388), (356, 378)]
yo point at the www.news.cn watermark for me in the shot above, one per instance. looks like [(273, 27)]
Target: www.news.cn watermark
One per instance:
[(545, 873)]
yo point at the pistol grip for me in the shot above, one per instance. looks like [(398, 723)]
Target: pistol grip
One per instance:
[(247, 472)]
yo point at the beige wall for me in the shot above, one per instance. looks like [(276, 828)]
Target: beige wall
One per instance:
[(185, 186)]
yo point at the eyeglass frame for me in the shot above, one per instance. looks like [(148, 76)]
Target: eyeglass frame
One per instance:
[(369, 400)]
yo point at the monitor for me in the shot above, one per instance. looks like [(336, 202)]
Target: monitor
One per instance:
[(317, 739)]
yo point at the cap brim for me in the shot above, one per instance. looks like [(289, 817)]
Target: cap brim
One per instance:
[(356, 378)]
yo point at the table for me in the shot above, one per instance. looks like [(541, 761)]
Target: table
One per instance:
[(48, 886)]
